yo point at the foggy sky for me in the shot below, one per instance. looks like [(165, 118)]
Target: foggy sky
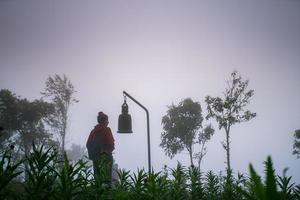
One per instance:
[(161, 52)]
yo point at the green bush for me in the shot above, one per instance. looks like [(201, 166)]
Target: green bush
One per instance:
[(47, 175), (40, 173), (8, 171)]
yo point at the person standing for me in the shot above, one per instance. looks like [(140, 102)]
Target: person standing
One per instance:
[(100, 145)]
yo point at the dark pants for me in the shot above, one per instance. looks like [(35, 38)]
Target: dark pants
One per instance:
[(103, 168)]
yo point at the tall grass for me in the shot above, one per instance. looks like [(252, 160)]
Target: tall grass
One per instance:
[(50, 176)]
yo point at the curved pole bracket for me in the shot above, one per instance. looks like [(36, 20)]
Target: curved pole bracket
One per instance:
[(148, 127)]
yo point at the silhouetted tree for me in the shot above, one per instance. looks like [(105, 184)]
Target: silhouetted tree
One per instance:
[(24, 122), (231, 109), (24, 118), (61, 91), (203, 137), (181, 126), (8, 114), (296, 145)]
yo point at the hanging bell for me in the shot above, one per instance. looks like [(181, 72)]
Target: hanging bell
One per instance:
[(124, 123)]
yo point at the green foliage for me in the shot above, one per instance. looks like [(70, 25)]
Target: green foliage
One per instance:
[(24, 121), (212, 186), (231, 109), (51, 177), (138, 186), (181, 127), (228, 187), (85, 176), (270, 183), (8, 171), (70, 182), (122, 188), (239, 183), (285, 186), (9, 113), (203, 137), (256, 186), (259, 190), (41, 172), (296, 191), (179, 183), (296, 145), (196, 187), (156, 186), (61, 91)]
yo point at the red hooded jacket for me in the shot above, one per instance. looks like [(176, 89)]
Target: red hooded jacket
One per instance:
[(105, 137)]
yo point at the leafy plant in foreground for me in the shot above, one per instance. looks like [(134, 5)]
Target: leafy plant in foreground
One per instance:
[(296, 192), (49, 177), (70, 182), (42, 163), (156, 186), (212, 186), (122, 188), (8, 171), (85, 176), (266, 190), (138, 184), (196, 186), (286, 186), (178, 188)]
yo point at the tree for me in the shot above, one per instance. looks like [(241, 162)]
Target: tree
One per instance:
[(231, 109), (8, 114), (2, 107), (296, 145), (32, 122), (24, 121), (61, 91), (203, 137), (181, 126)]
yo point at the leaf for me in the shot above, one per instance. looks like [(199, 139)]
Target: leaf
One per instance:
[(271, 188)]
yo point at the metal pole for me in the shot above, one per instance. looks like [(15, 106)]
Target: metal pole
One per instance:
[(148, 127)]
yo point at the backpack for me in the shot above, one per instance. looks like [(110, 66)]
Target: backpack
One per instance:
[(94, 146)]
